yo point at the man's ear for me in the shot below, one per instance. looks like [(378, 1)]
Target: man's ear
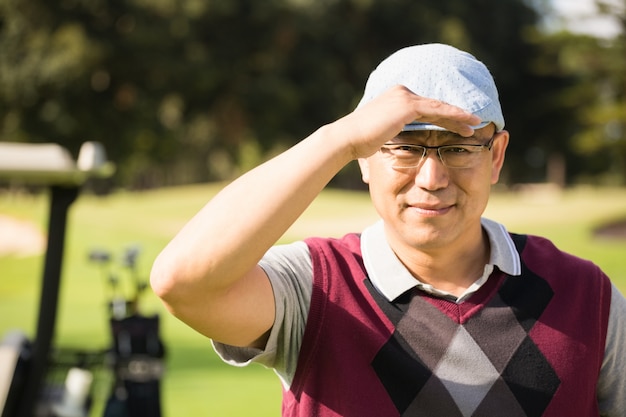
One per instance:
[(498, 150), (364, 165)]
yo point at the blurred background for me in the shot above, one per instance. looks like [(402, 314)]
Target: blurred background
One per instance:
[(188, 91), (187, 94)]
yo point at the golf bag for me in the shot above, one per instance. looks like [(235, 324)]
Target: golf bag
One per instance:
[(137, 356)]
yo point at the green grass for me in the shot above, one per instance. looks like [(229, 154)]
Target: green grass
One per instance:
[(196, 382)]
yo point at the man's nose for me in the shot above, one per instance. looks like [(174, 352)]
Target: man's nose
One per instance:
[(432, 174)]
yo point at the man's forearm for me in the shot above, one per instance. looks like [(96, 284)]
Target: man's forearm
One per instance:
[(233, 231)]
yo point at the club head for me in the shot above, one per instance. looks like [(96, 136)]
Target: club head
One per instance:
[(130, 256), (99, 256)]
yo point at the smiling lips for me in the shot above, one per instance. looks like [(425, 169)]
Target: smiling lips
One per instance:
[(431, 210)]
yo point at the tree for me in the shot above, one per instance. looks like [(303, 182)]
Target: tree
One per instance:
[(182, 91)]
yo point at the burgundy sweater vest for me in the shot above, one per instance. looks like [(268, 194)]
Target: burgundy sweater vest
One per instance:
[(524, 346)]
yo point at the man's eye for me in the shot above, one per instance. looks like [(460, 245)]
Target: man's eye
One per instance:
[(455, 150), (407, 149)]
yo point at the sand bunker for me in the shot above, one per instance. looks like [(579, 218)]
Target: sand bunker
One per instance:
[(20, 238)]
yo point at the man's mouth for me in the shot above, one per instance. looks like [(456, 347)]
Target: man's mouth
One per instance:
[(431, 210)]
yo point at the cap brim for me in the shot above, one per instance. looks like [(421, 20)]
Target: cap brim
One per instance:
[(427, 126)]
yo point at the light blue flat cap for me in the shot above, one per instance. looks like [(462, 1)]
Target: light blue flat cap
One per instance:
[(441, 72)]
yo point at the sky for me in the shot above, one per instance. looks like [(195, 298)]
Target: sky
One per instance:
[(581, 17)]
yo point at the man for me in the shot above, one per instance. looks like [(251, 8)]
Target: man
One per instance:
[(433, 311)]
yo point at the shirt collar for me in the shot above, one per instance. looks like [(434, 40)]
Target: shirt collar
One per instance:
[(391, 278)]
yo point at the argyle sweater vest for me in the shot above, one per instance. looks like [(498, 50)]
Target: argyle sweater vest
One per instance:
[(525, 346)]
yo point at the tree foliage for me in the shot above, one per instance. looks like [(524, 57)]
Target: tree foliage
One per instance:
[(183, 91)]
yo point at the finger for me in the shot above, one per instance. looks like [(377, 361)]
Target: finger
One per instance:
[(448, 116), (461, 128)]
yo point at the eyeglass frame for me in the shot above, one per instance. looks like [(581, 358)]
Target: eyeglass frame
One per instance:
[(486, 146)]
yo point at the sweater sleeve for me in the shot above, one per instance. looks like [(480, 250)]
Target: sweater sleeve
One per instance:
[(612, 382)]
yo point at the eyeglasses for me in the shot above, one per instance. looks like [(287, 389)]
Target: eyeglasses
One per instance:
[(408, 155)]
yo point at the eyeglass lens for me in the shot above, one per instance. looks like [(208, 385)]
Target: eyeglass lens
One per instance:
[(452, 156)]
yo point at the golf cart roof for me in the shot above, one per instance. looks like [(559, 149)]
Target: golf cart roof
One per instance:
[(52, 164)]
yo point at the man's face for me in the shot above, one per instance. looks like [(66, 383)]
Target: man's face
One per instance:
[(431, 207)]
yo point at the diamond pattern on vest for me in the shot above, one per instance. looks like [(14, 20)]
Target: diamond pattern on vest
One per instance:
[(478, 366), (468, 381)]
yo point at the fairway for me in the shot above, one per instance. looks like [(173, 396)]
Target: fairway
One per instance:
[(196, 382)]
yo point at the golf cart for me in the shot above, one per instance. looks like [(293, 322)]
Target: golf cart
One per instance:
[(25, 364)]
